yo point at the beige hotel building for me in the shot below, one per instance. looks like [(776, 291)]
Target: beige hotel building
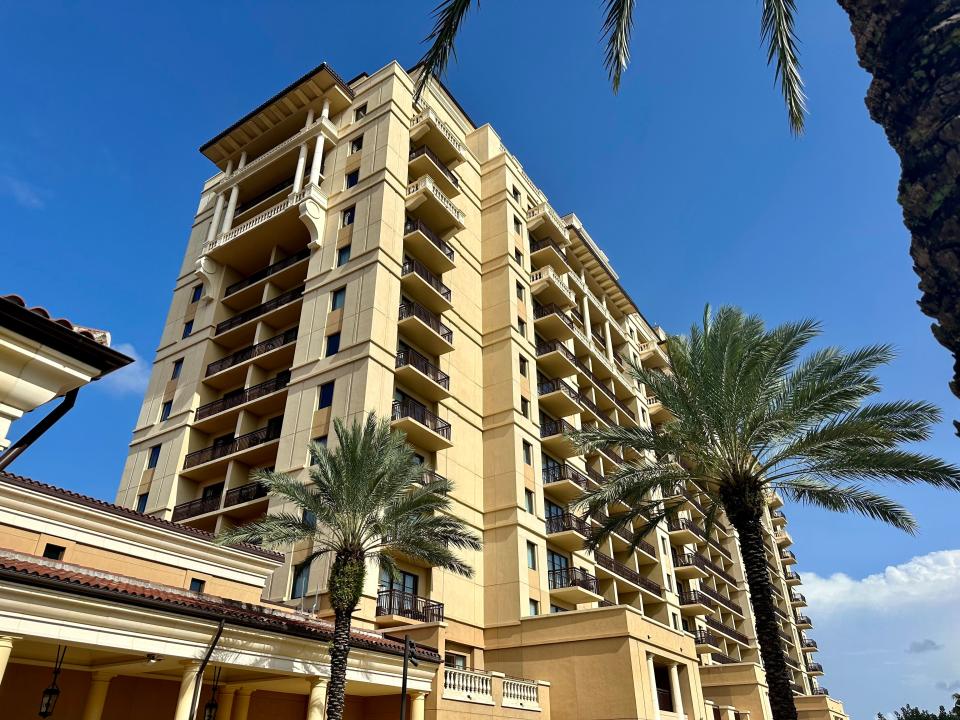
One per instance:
[(355, 251)]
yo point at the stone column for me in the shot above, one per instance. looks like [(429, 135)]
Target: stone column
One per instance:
[(588, 328), (675, 690), (96, 696), (301, 167), (317, 701), (217, 216), (325, 112), (231, 208), (6, 649), (317, 162), (241, 705), (188, 682), (417, 704), (653, 687), (225, 703), (609, 339)]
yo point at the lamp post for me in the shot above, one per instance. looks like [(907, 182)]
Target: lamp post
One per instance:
[(48, 701), (409, 648), (210, 709)]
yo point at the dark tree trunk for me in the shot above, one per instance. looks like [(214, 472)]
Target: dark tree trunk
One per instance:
[(912, 50), (345, 586), (745, 517)]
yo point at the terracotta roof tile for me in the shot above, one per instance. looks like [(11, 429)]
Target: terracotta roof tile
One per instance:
[(99, 336)]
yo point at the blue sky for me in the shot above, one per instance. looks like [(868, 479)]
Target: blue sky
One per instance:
[(689, 179)]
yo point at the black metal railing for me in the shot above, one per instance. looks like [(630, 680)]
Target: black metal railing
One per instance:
[(251, 393), (411, 358), (267, 272), (215, 452), (545, 387), (408, 605), (565, 522), (808, 643), (820, 691), (412, 309), (719, 657), (705, 637), (695, 597), (411, 265), (787, 555), (429, 475), (558, 473), (803, 620), (415, 411), (686, 524), (252, 351), (571, 577), (196, 507), (245, 493), (247, 315), (798, 598), (790, 575), (722, 599), (727, 630), (538, 245), (618, 568), (411, 225), (550, 427), (814, 667), (423, 150), (548, 346)]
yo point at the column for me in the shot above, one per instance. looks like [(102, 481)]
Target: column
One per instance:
[(653, 687), (609, 339), (417, 705), (243, 160), (301, 166), (96, 696), (317, 162), (217, 215), (6, 649), (586, 317), (225, 702), (675, 690), (231, 208), (317, 702), (325, 112), (241, 704), (187, 684)]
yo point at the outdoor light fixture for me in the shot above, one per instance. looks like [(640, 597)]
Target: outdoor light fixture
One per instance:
[(48, 701), (153, 658), (210, 709)]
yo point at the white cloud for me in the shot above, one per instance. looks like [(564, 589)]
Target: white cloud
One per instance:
[(23, 193), (131, 379)]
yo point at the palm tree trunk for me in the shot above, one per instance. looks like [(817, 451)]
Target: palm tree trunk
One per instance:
[(754, 555), (912, 50), (339, 651)]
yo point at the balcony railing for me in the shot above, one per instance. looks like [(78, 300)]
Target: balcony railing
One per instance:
[(814, 667), (548, 346), (415, 411), (798, 598), (788, 555), (803, 620), (411, 225), (722, 599), (408, 605), (473, 685), (196, 507), (695, 597), (705, 637), (429, 475), (686, 524), (537, 245), (791, 576), (262, 309), (253, 351), (550, 427), (571, 577), (567, 522), (426, 183), (727, 630), (410, 357), (522, 693), (719, 657), (698, 560), (545, 387), (245, 493), (419, 269), (412, 309), (251, 393), (215, 452), (267, 272), (618, 568), (424, 151), (428, 113), (558, 473), (820, 691), (808, 643)]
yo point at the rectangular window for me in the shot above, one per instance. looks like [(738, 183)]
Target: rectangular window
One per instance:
[(353, 177), (534, 607), (343, 255), (360, 112), (154, 457), (187, 329), (333, 344), (455, 660), (527, 453), (301, 574), (53, 552), (531, 555), (522, 326), (523, 365), (516, 193), (322, 440), (676, 621), (519, 290), (196, 294), (524, 407), (309, 518), (554, 609), (517, 226), (142, 502), (177, 368), (348, 216), (528, 501), (518, 256), (197, 585), (165, 410), (337, 298), (356, 145), (326, 395)]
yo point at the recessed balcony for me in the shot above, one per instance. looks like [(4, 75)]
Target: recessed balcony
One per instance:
[(552, 322), (425, 329), (573, 585), (195, 508), (395, 607), (547, 223), (422, 427), (814, 669), (722, 599), (567, 531), (254, 448), (706, 641), (414, 371), (263, 399), (726, 630), (694, 602), (684, 531), (272, 353), (419, 283), (245, 494), (690, 565), (623, 574), (564, 482), (423, 242), (549, 288), (553, 437), (546, 252), (424, 161), (285, 274), (555, 359), (433, 207), (280, 310), (426, 128), (558, 397), (653, 355)]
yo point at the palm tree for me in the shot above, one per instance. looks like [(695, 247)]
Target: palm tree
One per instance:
[(367, 500), (750, 416), (910, 48)]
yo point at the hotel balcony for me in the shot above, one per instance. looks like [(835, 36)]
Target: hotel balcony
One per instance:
[(433, 207), (787, 557), (684, 531), (552, 322), (803, 622), (721, 659), (792, 578), (423, 377), (425, 328), (658, 413), (567, 530), (564, 482), (254, 448), (286, 274), (653, 355), (778, 519), (246, 501), (573, 585), (546, 222), (423, 242), (422, 427), (546, 252), (774, 500), (419, 283), (553, 437), (690, 565), (555, 359), (278, 311), (424, 161), (694, 602), (193, 508), (270, 354), (782, 538), (706, 641), (815, 669), (395, 607), (798, 600), (549, 288), (426, 128), (722, 599), (808, 646), (623, 574), (558, 397), (730, 632), (264, 399)]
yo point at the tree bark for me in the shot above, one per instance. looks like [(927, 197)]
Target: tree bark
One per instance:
[(746, 519), (911, 48), (345, 587)]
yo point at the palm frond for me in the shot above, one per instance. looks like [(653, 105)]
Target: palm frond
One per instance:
[(777, 31), (850, 498), (449, 15), (275, 530), (616, 31)]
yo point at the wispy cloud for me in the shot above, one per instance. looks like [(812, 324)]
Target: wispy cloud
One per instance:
[(22, 192), (949, 687), (922, 646), (129, 380)]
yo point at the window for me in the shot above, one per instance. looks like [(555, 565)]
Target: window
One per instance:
[(676, 621), (663, 545), (196, 294), (142, 502), (360, 112), (326, 395), (353, 177), (348, 216), (405, 582), (154, 457), (531, 555), (322, 440), (165, 410), (53, 552), (177, 367), (522, 326), (534, 607), (516, 193), (519, 290), (301, 573), (356, 145), (309, 518), (528, 501), (527, 453), (557, 609), (523, 365), (333, 344), (197, 585), (343, 255), (455, 660), (187, 328), (337, 298), (517, 226), (518, 256), (524, 407)]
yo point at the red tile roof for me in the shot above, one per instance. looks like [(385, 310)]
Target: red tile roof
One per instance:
[(66, 577), (98, 336)]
